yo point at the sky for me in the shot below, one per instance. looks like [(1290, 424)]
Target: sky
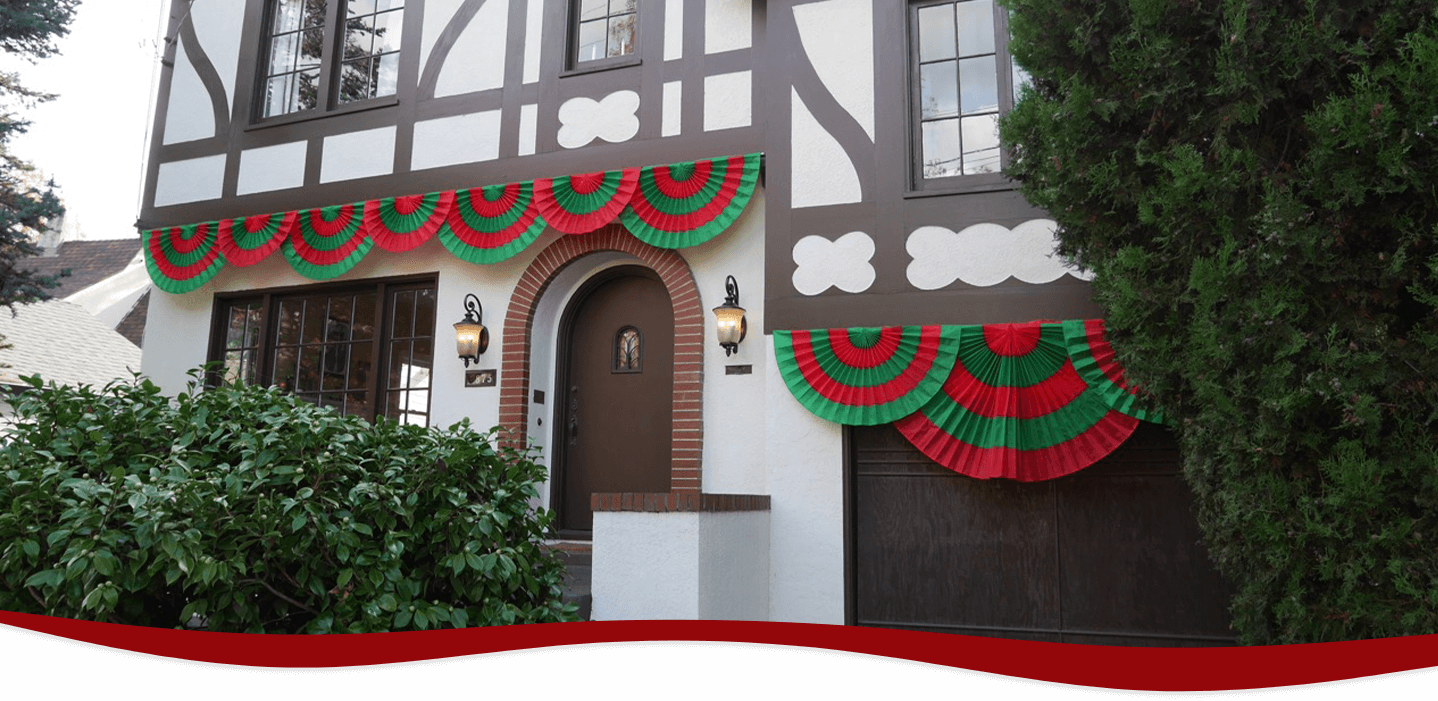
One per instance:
[(92, 139)]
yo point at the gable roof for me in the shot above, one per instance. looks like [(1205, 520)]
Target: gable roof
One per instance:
[(89, 262), (62, 342)]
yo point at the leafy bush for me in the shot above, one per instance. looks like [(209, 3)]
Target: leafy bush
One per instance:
[(257, 512), (1253, 186)]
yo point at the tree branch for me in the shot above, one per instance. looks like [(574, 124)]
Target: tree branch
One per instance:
[(277, 592)]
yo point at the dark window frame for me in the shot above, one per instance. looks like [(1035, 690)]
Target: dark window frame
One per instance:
[(269, 300), (572, 64), (331, 57), (918, 185), (615, 366)]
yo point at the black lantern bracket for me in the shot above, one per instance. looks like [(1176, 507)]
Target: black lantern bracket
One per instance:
[(474, 314)]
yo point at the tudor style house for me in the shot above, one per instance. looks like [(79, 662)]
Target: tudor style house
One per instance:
[(917, 423)]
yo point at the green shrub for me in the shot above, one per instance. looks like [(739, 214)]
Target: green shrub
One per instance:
[(252, 511), (1253, 186)]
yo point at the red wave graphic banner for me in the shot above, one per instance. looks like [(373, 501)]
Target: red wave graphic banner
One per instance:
[(1140, 669)]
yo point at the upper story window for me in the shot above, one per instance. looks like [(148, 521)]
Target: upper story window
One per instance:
[(963, 79), (602, 29), (320, 54)]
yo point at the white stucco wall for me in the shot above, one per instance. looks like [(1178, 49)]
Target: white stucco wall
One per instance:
[(269, 168), (728, 101), (190, 180), (189, 114), (734, 566), (437, 15), (445, 141), (838, 38), (804, 457), (728, 25), (218, 25), (476, 61), (734, 404), (358, 154), (646, 566), (680, 565)]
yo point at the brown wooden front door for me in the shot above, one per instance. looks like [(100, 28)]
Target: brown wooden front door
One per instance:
[(1109, 555), (616, 393)]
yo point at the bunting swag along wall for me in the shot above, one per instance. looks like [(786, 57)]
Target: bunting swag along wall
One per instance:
[(668, 206), (1028, 402)]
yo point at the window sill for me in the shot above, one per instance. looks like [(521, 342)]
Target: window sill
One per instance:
[(982, 183), (601, 65), (310, 115)]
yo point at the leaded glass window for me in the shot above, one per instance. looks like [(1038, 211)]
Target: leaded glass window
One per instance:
[(320, 54), (628, 350), (366, 350)]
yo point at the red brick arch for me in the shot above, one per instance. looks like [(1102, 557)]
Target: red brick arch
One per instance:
[(688, 445)]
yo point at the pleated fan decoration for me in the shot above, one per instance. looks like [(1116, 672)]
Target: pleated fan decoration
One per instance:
[(1094, 360), (182, 258), (686, 204), (249, 240), (492, 223), (1027, 402), (1014, 407), (579, 204), (327, 242), (865, 376), (674, 206), (403, 223)]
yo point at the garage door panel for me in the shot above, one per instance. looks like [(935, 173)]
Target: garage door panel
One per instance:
[(1144, 641), (1109, 555), (978, 632), (1132, 558), (938, 551)]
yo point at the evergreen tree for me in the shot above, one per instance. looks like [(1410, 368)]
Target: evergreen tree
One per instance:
[(1253, 185), (29, 29)]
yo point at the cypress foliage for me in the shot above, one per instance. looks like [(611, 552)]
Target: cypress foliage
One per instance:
[(1255, 186)]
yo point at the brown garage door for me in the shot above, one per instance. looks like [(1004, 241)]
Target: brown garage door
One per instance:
[(1109, 555)]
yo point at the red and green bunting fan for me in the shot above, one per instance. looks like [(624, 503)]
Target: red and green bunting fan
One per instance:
[(1094, 360), (493, 223), (686, 204), (327, 242), (579, 204), (181, 258), (866, 376), (674, 206), (403, 223), (1015, 407), (249, 240)]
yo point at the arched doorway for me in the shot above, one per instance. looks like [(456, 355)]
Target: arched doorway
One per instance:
[(615, 393)]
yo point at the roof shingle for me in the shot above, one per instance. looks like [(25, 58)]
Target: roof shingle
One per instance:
[(89, 262)]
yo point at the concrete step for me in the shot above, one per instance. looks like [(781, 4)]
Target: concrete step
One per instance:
[(578, 565)]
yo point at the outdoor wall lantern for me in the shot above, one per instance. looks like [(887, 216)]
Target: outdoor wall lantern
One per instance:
[(470, 336), (729, 316)]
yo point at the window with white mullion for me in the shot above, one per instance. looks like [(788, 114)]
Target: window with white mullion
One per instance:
[(323, 54), (604, 29), (411, 355), (370, 65), (296, 54), (958, 89)]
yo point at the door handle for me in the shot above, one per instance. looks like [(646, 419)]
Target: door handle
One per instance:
[(573, 414)]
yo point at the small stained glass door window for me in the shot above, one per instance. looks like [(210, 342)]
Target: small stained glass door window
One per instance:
[(628, 350)]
